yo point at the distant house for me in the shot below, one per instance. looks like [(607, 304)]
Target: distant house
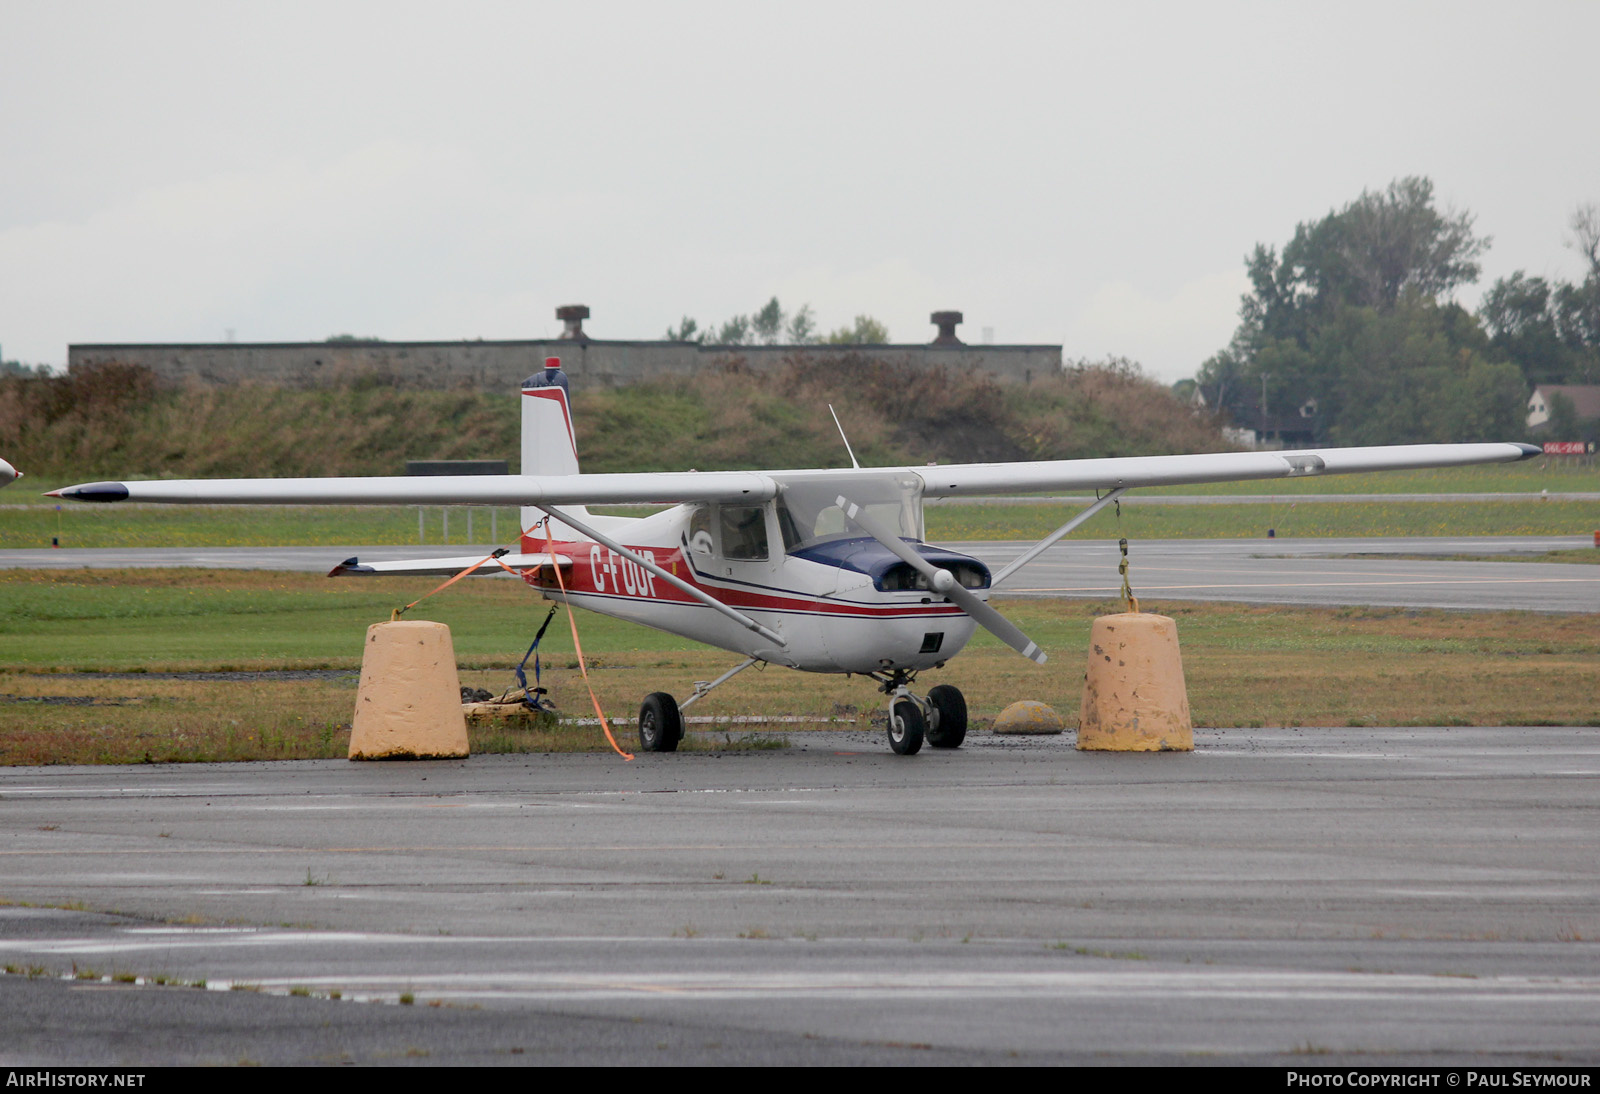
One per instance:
[(1585, 399), (1251, 427)]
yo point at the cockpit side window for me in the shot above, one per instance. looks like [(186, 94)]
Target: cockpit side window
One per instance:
[(700, 541), (786, 528), (744, 532)]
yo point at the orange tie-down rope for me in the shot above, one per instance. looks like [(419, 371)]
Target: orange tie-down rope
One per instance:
[(395, 615), (550, 548), (495, 557)]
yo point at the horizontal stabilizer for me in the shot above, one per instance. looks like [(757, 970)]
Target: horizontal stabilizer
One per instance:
[(354, 567)]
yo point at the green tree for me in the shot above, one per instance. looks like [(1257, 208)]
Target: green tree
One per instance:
[(866, 331), (734, 332), (687, 330), (1578, 319), (1336, 286), (767, 324), (803, 326), (1366, 255), (1406, 376), (1585, 238), (1551, 331), (1521, 316), (1578, 306)]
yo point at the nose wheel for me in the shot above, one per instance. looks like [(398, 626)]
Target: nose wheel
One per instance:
[(948, 726), (906, 727), (939, 718)]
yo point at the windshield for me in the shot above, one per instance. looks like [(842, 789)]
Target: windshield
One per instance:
[(809, 513)]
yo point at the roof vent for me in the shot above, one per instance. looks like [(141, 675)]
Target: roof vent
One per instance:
[(946, 321), (573, 316)]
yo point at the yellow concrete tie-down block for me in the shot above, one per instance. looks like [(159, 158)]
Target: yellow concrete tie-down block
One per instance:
[(1134, 698), (409, 703), (1029, 716)]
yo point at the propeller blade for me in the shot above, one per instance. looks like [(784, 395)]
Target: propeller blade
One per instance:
[(944, 582), (992, 621)]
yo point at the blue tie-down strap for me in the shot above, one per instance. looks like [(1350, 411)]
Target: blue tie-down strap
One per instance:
[(534, 697)]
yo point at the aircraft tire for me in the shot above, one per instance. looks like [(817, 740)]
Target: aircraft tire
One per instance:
[(950, 727), (660, 724), (906, 727)]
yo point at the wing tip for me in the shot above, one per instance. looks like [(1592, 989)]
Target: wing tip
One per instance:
[(1529, 451), (350, 567), (92, 491)]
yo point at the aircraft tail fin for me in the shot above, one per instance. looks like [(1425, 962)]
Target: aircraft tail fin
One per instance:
[(549, 442)]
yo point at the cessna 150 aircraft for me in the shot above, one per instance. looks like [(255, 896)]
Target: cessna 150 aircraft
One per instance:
[(818, 570)]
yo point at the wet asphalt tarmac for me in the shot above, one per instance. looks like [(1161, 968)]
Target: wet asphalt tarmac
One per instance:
[(1353, 896), (1288, 897)]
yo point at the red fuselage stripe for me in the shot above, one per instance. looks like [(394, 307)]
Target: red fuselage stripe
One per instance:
[(596, 570)]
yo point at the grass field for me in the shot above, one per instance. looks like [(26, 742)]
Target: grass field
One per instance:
[(246, 526), (79, 525), (1576, 475), (1246, 666), (1462, 518)]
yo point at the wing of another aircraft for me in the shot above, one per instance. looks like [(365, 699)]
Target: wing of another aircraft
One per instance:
[(354, 567), (952, 480)]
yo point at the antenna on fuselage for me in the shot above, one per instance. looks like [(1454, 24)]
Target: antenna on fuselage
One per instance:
[(845, 439)]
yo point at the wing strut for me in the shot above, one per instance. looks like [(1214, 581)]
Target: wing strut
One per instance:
[(1033, 552), (699, 594), (945, 584)]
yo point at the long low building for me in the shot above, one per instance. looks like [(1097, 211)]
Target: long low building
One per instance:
[(499, 365)]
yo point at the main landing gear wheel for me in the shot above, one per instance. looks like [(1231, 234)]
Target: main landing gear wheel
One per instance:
[(906, 727), (660, 724), (949, 726)]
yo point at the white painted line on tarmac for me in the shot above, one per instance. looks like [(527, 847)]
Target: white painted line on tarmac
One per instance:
[(954, 984), (1146, 588)]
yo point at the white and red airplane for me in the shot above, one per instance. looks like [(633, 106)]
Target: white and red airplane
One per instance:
[(819, 570), (8, 474)]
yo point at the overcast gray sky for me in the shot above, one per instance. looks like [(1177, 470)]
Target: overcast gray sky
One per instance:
[(1090, 174)]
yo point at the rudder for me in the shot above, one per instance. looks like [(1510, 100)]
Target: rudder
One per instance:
[(549, 442)]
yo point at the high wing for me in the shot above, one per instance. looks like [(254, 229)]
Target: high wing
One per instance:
[(665, 487), (960, 480), (952, 480)]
